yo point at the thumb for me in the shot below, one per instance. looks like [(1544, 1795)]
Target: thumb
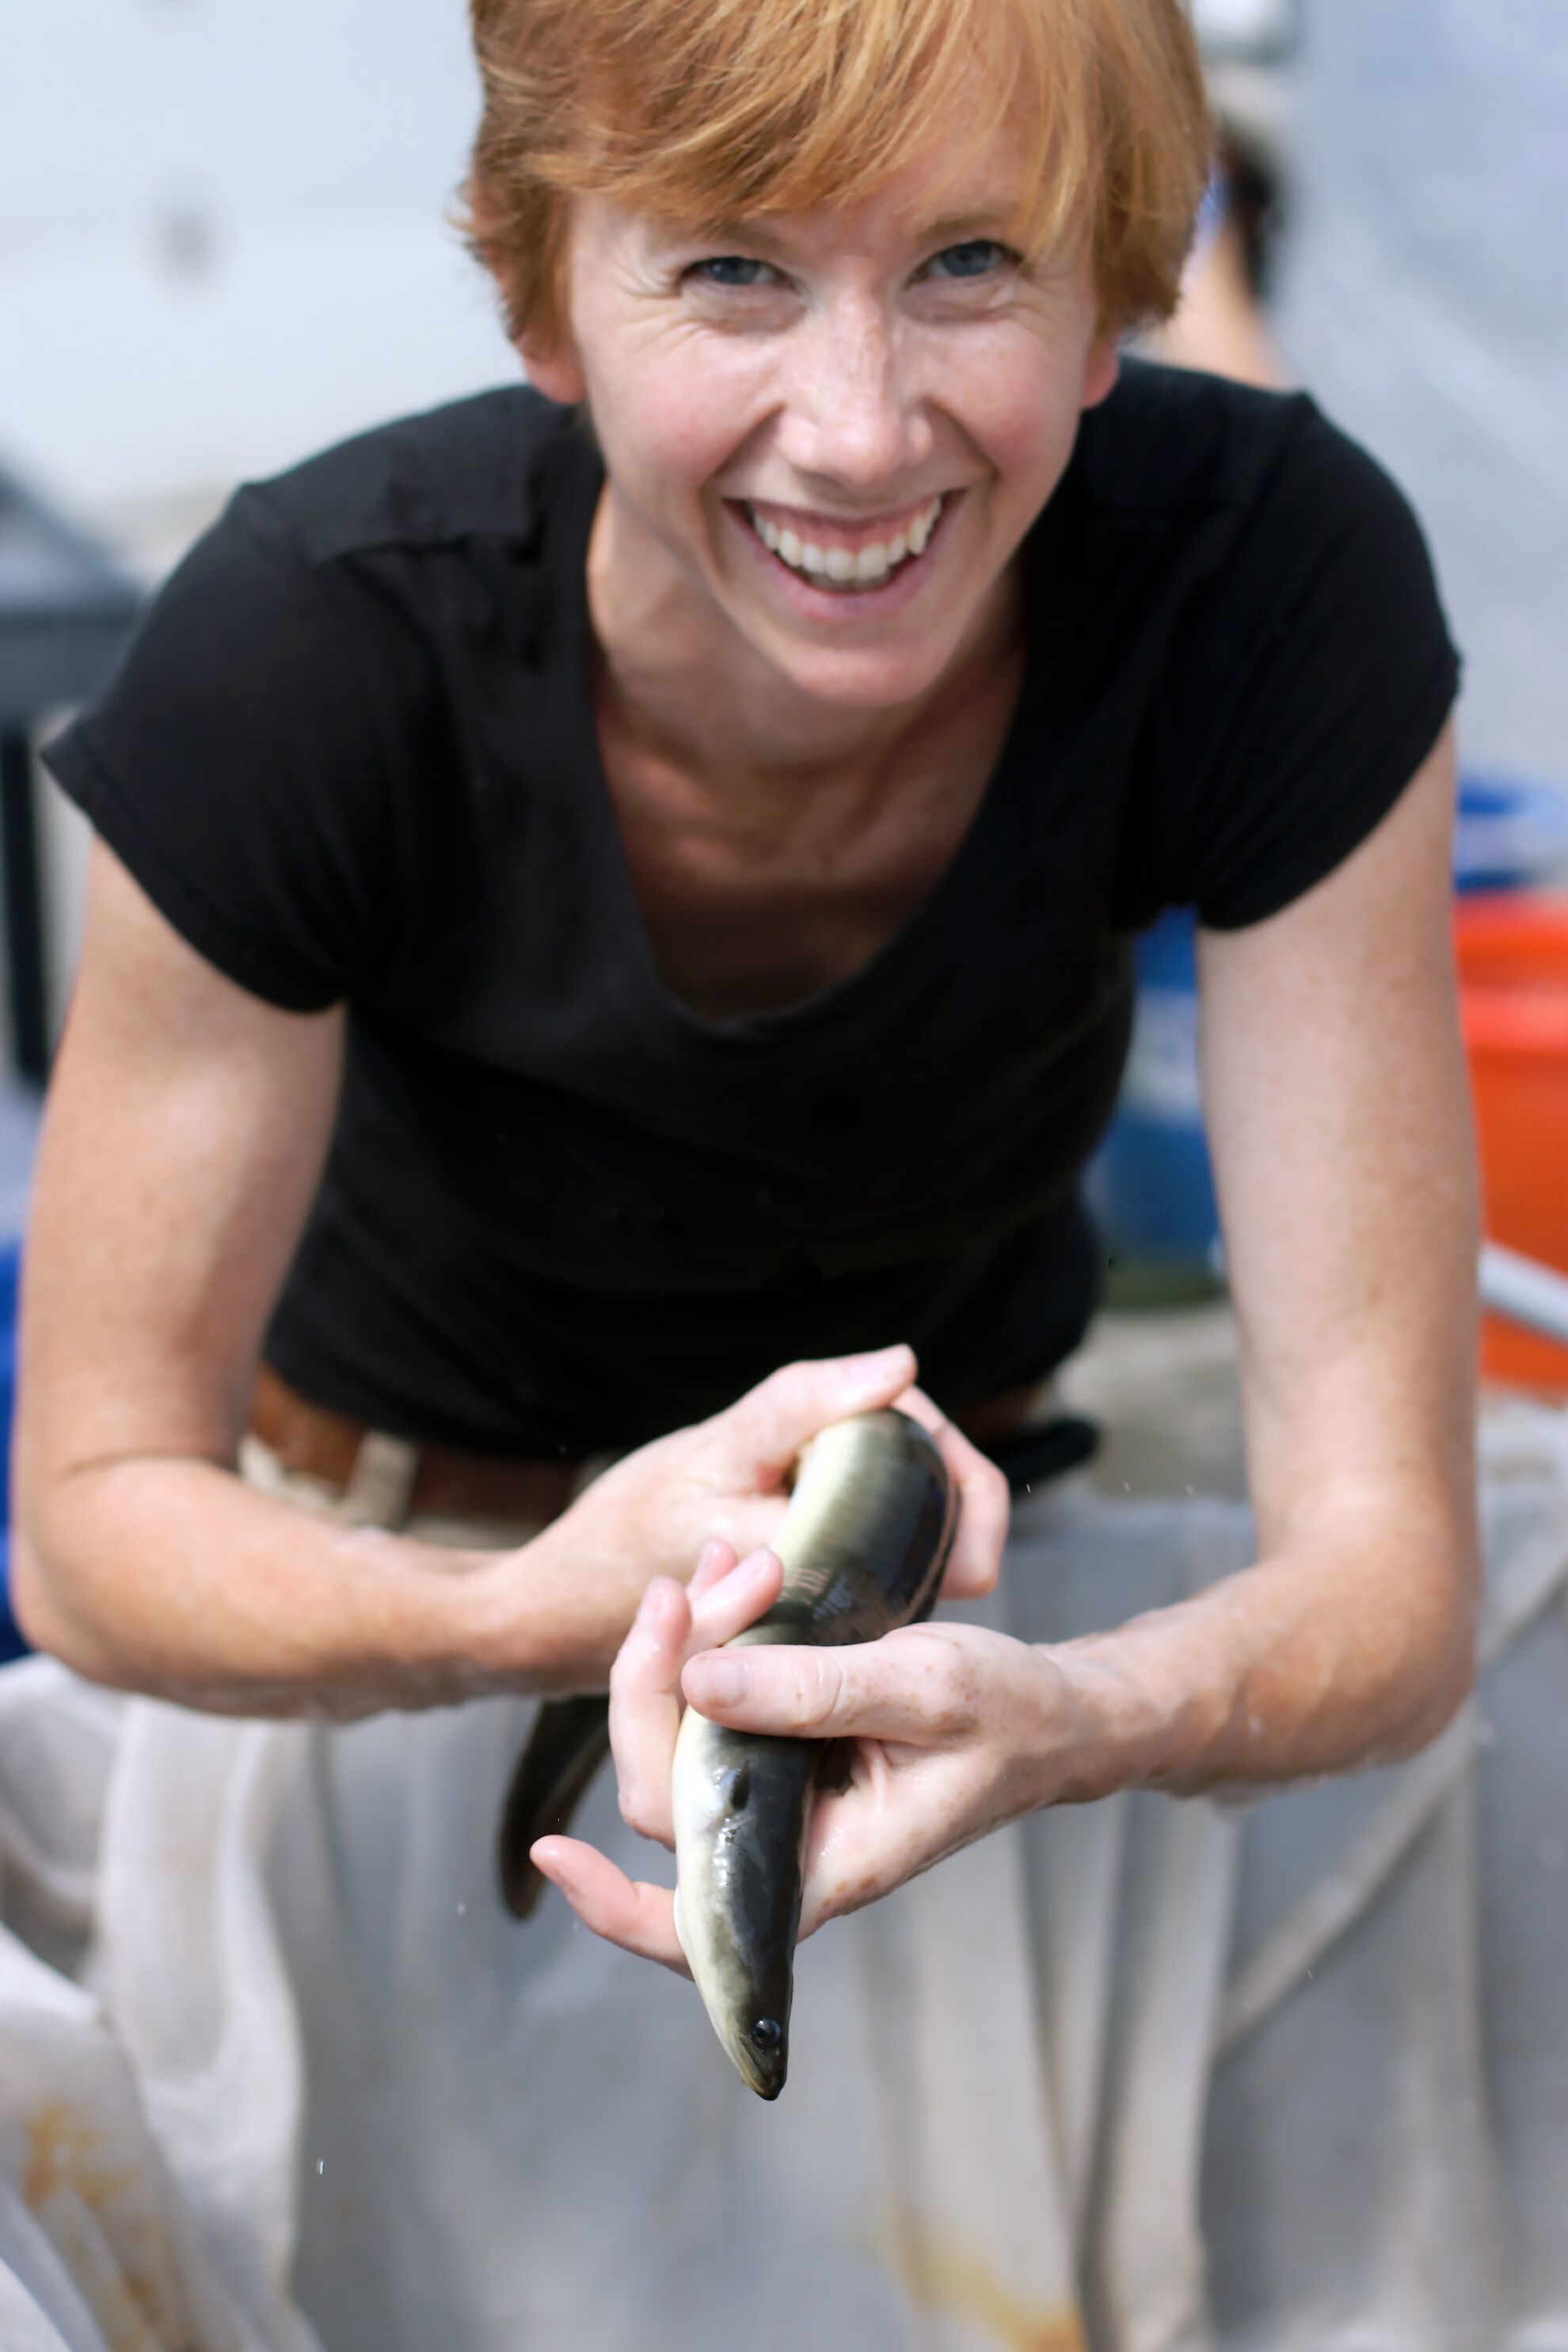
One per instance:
[(871, 1690), (768, 1427)]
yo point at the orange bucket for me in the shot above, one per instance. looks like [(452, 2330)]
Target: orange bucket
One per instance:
[(1513, 995)]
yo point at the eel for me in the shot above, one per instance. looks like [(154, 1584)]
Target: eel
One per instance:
[(864, 1543), (570, 1741), (570, 1737)]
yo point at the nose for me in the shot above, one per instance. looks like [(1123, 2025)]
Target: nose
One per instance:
[(852, 415)]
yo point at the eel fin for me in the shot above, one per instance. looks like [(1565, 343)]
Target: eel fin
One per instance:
[(568, 1741)]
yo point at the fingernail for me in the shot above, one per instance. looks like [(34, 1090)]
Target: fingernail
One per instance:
[(720, 1681), (650, 1605)]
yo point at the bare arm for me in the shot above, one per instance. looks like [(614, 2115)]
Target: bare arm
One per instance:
[(1339, 1117), (186, 1128), (185, 1131)]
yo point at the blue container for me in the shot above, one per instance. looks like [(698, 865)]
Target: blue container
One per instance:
[(1151, 1187), (1513, 832)]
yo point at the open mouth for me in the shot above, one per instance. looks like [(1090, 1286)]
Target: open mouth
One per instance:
[(835, 569)]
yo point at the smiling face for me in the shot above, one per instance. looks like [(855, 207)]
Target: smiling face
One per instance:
[(826, 435)]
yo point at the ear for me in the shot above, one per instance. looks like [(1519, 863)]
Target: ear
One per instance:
[(1101, 369), (550, 360), (553, 368)]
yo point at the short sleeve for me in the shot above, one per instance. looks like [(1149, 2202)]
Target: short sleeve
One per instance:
[(248, 763), (1308, 685)]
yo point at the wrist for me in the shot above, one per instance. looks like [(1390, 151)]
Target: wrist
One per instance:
[(1115, 1716), (533, 1619)]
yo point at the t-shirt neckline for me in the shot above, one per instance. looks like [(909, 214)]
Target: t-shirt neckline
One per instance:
[(570, 675)]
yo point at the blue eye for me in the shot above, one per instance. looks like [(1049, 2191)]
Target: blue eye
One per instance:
[(732, 269), (976, 258)]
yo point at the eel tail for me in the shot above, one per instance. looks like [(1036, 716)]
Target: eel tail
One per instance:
[(570, 1741)]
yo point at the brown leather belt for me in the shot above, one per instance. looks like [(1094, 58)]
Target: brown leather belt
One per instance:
[(318, 1442)]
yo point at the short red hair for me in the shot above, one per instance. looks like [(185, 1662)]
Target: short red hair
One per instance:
[(711, 110)]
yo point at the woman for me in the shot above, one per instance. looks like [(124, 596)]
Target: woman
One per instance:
[(585, 917)]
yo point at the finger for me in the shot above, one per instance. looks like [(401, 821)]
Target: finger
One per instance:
[(644, 1703), (769, 1425), (714, 1562), (863, 1845), (921, 1691), (984, 1505), (846, 1864), (644, 1707), (727, 1609), (640, 1918)]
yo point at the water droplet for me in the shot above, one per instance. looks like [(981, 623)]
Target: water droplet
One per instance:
[(321, 2164)]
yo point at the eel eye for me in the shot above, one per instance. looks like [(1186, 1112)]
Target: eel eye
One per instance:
[(768, 2033)]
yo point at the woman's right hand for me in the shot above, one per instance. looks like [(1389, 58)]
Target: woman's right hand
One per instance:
[(556, 1612)]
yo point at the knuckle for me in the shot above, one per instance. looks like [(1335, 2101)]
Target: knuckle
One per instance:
[(989, 1495), (636, 1811), (819, 1688), (951, 1693), (790, 1390), (986, 1574)]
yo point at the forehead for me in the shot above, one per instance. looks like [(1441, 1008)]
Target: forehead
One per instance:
[(956, 188)]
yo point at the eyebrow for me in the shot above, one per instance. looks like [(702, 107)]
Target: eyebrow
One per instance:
[(958, 229), (951, 228)]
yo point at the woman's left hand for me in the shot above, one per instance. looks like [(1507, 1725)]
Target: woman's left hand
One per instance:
[(949, 1731)]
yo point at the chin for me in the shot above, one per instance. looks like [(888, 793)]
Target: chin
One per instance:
[(865, 678)]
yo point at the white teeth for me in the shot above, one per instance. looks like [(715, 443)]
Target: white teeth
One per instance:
[(868, 564)]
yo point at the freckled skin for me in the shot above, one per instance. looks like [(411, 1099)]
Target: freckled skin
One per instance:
[(864, 1547)]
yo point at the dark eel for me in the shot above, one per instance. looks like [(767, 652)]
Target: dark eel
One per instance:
[(864, 1544)]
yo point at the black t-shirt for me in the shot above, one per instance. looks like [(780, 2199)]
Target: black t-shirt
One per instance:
[(351, 755)]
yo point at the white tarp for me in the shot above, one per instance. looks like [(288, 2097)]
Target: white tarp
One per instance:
[(278, 2074)]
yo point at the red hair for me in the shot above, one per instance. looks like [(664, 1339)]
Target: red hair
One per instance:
[(710, 110)]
